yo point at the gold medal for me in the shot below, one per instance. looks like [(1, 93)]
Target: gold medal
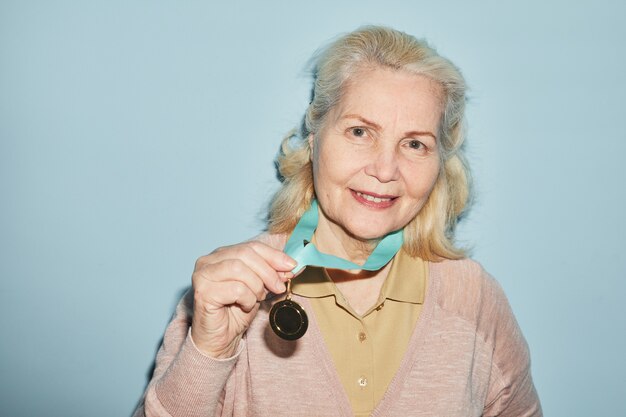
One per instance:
[(288, 319)]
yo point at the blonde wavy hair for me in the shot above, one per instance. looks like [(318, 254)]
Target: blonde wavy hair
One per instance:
[(430, 235)]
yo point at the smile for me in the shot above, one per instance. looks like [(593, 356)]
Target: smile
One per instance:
[(372, 198), (374, 201)]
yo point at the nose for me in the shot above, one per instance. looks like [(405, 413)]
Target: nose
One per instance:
[(383, 165)]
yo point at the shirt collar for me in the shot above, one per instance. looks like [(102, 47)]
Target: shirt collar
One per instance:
[(313, 282), (405, 283)]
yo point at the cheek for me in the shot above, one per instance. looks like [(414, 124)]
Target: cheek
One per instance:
[(421, 180), (332, 166), (322, 173)]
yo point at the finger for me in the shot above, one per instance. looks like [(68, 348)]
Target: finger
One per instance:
[(229, 270), (271, 265), (272, 279), (277, 259), (228, 293), (286, 276), (241, 270), (263, 260), (219, 254)]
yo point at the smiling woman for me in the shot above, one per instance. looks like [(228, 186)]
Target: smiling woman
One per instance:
[(400, 322), (376, 159), (430, 84)]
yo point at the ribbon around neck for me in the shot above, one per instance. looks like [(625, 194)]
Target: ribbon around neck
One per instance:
[(305, 253)]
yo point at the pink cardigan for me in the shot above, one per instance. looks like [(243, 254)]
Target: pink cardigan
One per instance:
[(466, 357)]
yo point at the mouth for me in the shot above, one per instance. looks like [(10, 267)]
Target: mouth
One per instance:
[(374, 200)]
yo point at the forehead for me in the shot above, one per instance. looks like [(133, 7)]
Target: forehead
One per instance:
[(364, 75), (389, 94)]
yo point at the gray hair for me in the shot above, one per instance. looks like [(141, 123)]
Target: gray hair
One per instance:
[(430, 233)]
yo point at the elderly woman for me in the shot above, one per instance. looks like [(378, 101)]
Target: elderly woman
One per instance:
[(397, 322)]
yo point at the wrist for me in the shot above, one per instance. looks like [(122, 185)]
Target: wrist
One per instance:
[(216, 352)]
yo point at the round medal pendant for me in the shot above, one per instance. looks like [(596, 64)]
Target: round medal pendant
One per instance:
[(288, 320)]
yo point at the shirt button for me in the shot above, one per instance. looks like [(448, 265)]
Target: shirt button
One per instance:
[(362, 381), (362, 336)]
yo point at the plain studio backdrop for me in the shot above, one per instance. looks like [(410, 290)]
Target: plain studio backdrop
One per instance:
[(138, 135)]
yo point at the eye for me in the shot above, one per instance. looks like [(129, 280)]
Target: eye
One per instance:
[(415, 144), (416, 147), (359, 132)]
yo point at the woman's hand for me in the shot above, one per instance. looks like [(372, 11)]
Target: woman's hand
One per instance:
[(228, 285)]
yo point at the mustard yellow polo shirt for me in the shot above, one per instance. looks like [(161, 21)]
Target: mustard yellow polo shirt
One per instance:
[(367, 350)]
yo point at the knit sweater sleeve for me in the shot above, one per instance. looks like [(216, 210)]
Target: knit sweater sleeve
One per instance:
[(185, 381), (511, 391)]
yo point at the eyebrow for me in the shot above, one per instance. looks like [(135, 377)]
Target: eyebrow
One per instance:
[(363, 119), (378, 127)]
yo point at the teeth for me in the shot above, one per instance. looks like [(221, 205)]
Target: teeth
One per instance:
[(372, 198)]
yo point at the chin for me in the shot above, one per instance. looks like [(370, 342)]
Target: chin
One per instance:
[(369, 233)]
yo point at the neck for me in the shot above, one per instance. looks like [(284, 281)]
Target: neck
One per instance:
[(333, 239)]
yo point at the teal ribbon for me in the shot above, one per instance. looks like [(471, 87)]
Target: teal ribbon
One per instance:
[(305, 253)]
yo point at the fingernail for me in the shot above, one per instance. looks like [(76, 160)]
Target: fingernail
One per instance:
[(291, 263), (280, 286)]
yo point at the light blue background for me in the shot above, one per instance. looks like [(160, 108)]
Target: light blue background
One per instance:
[(136, 136)]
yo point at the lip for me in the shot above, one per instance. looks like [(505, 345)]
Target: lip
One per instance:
[(389, 200)]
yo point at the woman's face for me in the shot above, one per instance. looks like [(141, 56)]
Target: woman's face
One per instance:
[(376, 159)]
